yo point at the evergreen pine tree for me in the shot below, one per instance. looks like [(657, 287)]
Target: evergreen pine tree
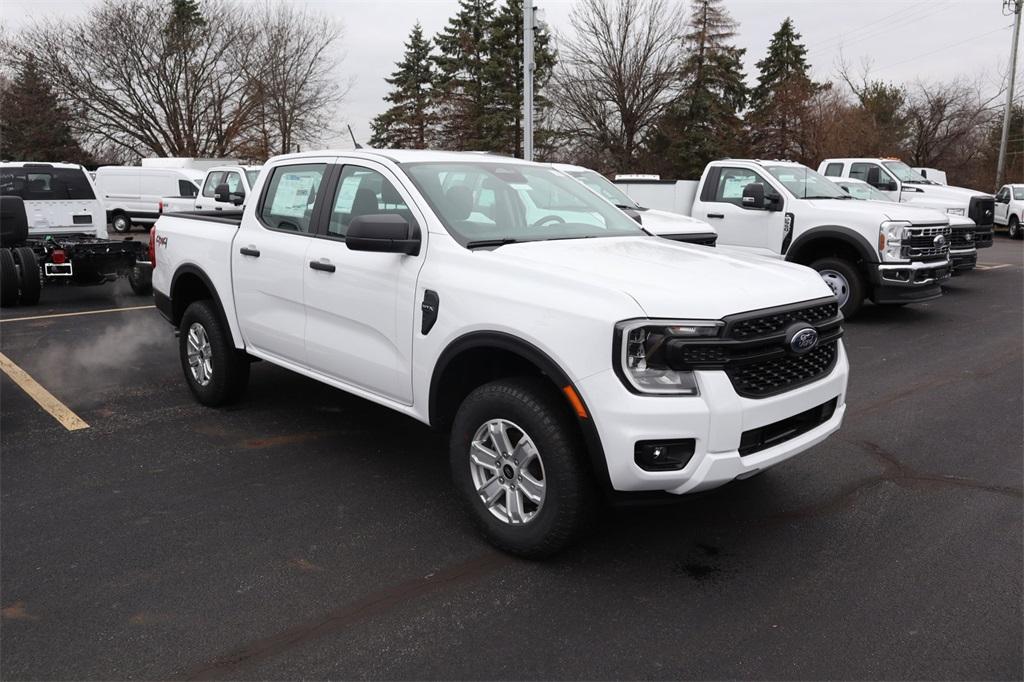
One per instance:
[(411, 121), (466, 105), (778, 103), (505, 74), (703, 123), (34, 125)]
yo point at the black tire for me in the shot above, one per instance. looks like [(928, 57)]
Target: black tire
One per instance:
[(30, 280), (141, 280), (8, 279), (849, 278), (229, 367), (121, 223), (1013, 228), (570, 496)]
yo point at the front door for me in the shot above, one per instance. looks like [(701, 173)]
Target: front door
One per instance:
[(269, 261), (1002, 206), (759, 231), (207, 201), (360, 305)]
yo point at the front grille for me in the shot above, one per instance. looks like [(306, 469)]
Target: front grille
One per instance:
[(755, 353), (961, 238), (773, 434), (981, 210), (922, 242)]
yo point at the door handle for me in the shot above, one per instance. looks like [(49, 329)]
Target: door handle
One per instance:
[(249, 251), (217, 208), (716, 215), (320, 265), (198, 207)]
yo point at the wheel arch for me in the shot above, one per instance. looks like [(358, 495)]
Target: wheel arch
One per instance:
[(190, 284), (831, 240), (475, 358)]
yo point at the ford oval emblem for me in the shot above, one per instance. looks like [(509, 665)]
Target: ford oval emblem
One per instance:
[(803, 340), (939, 240)]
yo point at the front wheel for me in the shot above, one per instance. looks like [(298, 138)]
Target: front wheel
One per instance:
[(216, 372), (518, 462), (845, 281), (1013, 227), (121, 223)]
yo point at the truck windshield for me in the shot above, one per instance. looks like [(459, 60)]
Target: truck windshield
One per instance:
[(805, 183), (45, 183), (605, 188), (864, 191), (905, 173), (483, 204)]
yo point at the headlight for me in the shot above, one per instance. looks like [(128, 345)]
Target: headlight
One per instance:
[(955, 211), (640, 349), (891, 234)]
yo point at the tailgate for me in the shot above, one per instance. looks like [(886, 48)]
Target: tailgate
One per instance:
[(64, 216)]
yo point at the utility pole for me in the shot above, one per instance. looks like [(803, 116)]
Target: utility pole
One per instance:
[(1015, 6), (528, 21)]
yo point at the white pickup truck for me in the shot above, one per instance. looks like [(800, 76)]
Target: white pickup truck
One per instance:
[(903, 184), (223, 189), (1009, 210), (892, 254), (566, 350)]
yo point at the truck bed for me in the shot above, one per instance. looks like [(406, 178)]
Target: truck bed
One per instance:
[(225, 217)]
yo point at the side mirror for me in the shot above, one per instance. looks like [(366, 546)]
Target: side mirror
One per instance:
[(222, 193), (773, 202), (753, 196), (383, 233)]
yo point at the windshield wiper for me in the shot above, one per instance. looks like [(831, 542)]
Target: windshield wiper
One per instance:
[(633, 207), (824, 197), (480, 243)]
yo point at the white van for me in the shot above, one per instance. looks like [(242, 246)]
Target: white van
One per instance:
[(132, 194)]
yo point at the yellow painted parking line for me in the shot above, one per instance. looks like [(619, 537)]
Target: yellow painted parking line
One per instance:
[(58, 410), (84, 312)]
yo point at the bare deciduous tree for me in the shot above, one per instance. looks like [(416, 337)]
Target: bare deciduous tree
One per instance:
[(617, 74)]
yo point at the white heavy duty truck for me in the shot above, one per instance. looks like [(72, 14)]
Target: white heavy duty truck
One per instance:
[(565, 349)]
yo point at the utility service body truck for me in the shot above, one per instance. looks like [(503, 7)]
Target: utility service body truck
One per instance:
[(564, 348), (902, 183), (53, 231)]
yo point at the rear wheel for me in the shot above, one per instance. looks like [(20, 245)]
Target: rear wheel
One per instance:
[(216, 372), (8, 279), (29, 277), (1013, 227), (121, 223), (141, 280), (518, 462), (845, 281)]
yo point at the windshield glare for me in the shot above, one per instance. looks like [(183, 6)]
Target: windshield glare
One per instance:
[(865, 191), (905, 173), (604, 187), (805, 183), (496, 201)]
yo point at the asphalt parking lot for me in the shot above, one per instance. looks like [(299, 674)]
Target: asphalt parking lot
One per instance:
[(305, 533)]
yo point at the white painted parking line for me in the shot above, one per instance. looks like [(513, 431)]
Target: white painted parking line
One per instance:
[(991, 266), (84, 312), (58, 410)]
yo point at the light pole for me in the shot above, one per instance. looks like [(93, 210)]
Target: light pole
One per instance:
[(1016, 6), (528, 21)]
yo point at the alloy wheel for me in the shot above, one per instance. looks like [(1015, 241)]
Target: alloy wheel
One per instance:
[(507, 472), (200, 354)]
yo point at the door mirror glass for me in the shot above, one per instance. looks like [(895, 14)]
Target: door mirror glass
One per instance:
[(383, 233)]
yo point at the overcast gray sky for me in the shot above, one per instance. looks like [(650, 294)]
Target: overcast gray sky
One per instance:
[(904, 39)]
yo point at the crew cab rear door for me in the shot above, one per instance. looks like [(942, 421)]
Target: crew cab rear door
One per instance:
[(720, 203), (361, 306), (269, 260)]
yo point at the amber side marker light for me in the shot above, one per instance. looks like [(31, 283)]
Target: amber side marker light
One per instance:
[(574, 400)]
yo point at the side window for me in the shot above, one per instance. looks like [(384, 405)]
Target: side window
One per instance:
[(187, 189), (860, 171), (234, 182), (1018, 193), (362, 191), (290, 195), (212, 180), (834, 170), (731, 182)]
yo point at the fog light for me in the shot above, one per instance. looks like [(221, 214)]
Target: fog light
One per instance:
[(663, 455)]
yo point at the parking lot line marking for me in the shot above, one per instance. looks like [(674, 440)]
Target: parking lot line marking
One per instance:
[(58, 410), (84, 312)]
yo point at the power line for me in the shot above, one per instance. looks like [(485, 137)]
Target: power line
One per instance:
[(839, 36), (898, 23), (945, 47)]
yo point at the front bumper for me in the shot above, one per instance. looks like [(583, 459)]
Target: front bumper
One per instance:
[(963, 259), (983, 236), (908, 282), (716, 420)]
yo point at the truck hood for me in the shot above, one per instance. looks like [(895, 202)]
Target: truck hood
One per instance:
[(940, 197), (664, 222), (877, 211), (670, 279)]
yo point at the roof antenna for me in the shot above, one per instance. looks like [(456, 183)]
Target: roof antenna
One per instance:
[(357, 145)]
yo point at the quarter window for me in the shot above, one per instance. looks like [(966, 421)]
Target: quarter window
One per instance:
[(731, 182), (290, 197), (187, 189), (362, 191)]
